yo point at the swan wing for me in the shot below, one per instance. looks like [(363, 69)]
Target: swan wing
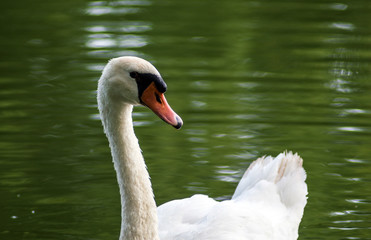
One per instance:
[(268, 204), (282, 179)]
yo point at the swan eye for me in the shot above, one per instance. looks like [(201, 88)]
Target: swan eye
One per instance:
[(134, 74)]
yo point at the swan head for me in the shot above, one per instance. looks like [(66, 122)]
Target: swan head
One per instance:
[(135, 81)]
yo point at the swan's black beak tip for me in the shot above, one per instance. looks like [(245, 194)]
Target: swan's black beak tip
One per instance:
[(179, 123)]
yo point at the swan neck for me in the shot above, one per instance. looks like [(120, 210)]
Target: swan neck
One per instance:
[(139, 213)]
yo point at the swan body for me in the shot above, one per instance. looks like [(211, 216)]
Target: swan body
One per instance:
[(268, 203)]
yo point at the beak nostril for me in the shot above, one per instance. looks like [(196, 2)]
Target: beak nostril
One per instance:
[(158, 99)]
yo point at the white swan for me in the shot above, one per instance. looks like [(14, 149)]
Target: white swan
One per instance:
[(269, 200)]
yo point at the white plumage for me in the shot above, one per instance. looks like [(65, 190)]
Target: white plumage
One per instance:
[(268, 203)]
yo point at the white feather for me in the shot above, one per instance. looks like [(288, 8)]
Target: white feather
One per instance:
[(267, 204)]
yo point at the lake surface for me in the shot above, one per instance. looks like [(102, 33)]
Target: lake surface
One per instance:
[(249, 78)]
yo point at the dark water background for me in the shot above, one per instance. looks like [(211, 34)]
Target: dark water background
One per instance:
[(249, 78)]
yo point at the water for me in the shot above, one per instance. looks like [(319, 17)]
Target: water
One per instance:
[(249, 78)]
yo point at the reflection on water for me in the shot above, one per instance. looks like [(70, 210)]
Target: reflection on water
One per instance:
[(98, 8), (108, 41), (107, 38), (248, 78)]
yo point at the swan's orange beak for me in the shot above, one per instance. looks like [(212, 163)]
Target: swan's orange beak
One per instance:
[(156, 101)]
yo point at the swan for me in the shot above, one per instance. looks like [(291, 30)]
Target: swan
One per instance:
[(268, 202)]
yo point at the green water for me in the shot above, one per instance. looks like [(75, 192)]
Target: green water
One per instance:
[(249, 78)]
